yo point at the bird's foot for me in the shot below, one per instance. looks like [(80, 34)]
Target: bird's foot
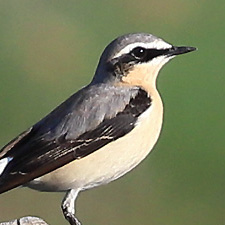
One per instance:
[(70, 217)]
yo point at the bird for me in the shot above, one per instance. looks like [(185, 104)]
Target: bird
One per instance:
[(101, 132)]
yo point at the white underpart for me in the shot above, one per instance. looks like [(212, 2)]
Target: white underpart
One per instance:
[(111, 161), (3, 163), (157, 44)]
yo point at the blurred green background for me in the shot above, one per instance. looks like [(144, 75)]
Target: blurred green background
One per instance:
[(49, 49)]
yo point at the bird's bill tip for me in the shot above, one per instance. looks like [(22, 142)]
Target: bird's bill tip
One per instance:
[(181, 50)]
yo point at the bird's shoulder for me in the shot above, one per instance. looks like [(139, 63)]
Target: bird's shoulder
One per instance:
[(86, 109), (88, 120), (82, 113)]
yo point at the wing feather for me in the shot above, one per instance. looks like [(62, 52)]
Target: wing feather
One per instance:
[(38, 151)]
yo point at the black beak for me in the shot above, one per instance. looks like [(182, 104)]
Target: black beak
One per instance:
[(180, 50)]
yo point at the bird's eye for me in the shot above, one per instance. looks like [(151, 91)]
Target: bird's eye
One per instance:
[(139, 52)]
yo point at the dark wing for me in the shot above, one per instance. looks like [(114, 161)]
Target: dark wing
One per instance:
[(34, 153)]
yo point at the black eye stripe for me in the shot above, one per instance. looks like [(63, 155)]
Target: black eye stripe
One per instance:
[(150, 54), (125, 61), (140, 54)]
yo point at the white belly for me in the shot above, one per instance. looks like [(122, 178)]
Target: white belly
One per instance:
[(112, 161)]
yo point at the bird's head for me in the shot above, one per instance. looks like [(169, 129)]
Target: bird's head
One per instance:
[(135, 59)]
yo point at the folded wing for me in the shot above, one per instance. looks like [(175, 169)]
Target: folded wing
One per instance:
[(52, 143)]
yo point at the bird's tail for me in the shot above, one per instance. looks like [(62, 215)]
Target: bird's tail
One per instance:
[(3, 163), (4, 184)]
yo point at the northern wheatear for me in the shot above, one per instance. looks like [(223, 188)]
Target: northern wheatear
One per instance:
[(101, 132)]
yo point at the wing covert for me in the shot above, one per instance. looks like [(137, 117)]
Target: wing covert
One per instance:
[(39, 155)]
